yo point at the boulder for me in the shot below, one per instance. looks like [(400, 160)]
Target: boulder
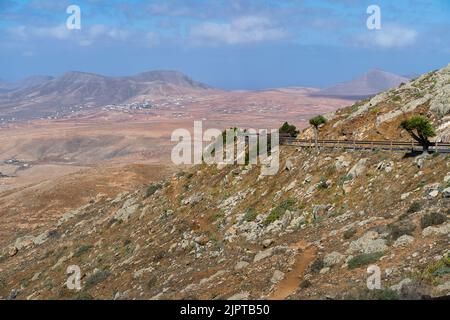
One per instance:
[(403, 241), (368, 243), (333, 259), (277, 276), (358, 169)]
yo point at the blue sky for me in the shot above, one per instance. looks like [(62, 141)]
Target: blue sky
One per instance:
[(231, 44)]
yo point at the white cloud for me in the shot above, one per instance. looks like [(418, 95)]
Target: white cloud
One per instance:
[(84, 37), (389, 36), (247, 29)]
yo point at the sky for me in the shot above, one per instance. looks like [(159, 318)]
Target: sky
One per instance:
[(229, 44)]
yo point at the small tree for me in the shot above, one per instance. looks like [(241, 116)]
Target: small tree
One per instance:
[(315, 123), (289, 129), (420, 129)]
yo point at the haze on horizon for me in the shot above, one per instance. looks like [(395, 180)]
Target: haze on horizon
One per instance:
[(226, 44)]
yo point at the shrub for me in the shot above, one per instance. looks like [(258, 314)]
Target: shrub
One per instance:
[(364, 259), (432, 219), (151, 189), (288, 129), (349, 233), (82, 250), (279, 211), (414, 207), (82, 295), (96, 278), (317, 265), (250, 215), (398, 229)]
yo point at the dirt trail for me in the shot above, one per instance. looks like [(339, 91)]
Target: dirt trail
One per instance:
[(291, 281)]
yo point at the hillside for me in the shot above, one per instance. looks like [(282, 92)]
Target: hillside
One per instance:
[(369, 84), (73, 91), (378, 118), (225, 232)]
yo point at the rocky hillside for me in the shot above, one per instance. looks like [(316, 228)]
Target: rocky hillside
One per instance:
[(209, 233), (308, 232), (378, 118)]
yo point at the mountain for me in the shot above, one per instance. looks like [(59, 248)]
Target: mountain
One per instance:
[(27, 82), (369, 84), (311, 231), (378, 117), (40, 96)]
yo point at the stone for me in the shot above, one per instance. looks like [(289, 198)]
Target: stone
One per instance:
[(405, 195), (368, 243), (263, 255), (128, 209), (333, 259), (434, 193), (40, 239), (403, 241), (267, 243), (12, 251), (290, 186), (277, 276), (289, 165), (24, 242), (438, 230), (324, 270), (341, 162), (241, 265), (358, 168), (398, 287), (194, 199), (240, 296), (446, 192)]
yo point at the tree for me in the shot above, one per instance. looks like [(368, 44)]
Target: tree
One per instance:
[(289, 129), (315, 123), (420, 129)]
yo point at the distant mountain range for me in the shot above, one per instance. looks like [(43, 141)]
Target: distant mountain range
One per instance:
[(42, 96), (369, 84)]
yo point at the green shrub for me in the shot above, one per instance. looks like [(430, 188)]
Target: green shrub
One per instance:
[(317, 265), (349, 233), (398, 229), (432, 219), (82, 295), (364, 259), (250, 215), (82, 250), (151, 189), (279, 211), (96, 278), (414, 207)]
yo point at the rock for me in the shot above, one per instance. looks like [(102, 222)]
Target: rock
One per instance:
[(446, 192), (128, 209), (267, 243), (398, 286), (404, 240), (277, 276), (321, 210), (307, 179), (40, 239), (24, 242), (440, 230), (240, 296), (447, 178), (12, 251), (263, 255), (290, 186), (368, 243), (241, 265), (420, 160), (358, 168), (289, 165), (194, 199), (405, 195), (444, 288), (434, 193), (324, 270), (202, 240), (341, 162), (347, 187), (332, 259)]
